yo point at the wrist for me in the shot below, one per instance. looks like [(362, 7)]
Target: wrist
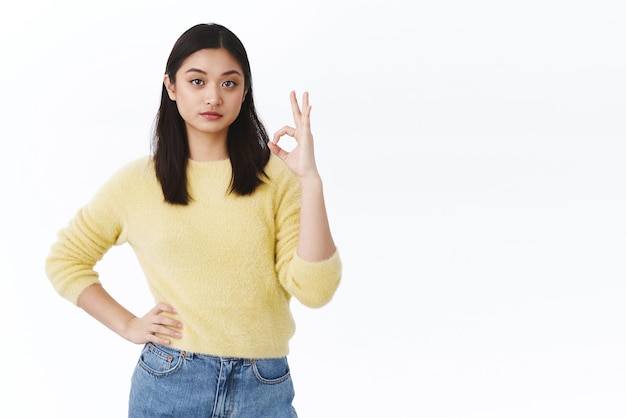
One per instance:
[(126, 332), (311, 179)]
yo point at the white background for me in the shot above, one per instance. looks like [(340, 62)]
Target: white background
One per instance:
[(473, 160)]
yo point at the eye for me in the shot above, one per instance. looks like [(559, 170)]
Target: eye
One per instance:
[(229, 83), (197, 82)]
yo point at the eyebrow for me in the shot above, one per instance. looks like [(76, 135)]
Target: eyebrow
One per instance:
[(197, 70)]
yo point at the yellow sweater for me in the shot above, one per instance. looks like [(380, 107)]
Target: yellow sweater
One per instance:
[(227, 263)]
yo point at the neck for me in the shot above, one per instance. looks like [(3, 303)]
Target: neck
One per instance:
[(207, 148)]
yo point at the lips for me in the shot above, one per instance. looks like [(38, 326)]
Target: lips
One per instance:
[(211, 115)]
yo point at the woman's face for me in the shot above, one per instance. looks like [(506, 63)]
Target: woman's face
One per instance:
[(209, 91)]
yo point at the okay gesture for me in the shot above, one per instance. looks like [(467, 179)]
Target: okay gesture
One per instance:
[(301, 159)]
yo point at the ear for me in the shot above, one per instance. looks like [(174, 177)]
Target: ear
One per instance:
[(245, 93), (169, 86)]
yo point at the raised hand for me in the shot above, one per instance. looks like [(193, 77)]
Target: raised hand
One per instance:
[(301, 159)]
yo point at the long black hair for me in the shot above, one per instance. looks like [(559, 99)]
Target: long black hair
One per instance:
[(247, 137)]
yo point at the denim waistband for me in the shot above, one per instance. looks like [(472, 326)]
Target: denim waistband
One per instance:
[(191, 355)]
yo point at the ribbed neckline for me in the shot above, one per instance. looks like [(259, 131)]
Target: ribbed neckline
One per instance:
[(207, 164)]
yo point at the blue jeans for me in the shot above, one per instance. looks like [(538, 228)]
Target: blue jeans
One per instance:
[(176, 384)]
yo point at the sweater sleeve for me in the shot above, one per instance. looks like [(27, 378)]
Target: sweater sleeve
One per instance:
[(95, 228), (312, 283)]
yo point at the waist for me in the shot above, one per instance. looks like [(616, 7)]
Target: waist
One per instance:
[(261, 334)]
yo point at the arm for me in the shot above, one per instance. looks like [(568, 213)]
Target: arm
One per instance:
[(72, 258), (99, 304), (315, 241)]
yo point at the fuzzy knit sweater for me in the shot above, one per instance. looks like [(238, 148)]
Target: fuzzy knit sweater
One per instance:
[(227, 263)]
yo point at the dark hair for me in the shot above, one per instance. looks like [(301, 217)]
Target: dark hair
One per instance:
[(247, 138)]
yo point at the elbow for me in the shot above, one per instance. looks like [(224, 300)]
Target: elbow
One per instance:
[(317, 295), (313, 283)]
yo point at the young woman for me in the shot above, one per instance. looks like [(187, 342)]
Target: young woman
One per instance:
[(227, 227)]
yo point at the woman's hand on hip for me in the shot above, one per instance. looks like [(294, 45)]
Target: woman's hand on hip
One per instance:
[(154, 327)]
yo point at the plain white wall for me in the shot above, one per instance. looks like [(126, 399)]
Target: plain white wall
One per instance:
[(473, 161)]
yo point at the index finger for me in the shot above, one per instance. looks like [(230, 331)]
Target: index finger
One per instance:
[(164, 307)]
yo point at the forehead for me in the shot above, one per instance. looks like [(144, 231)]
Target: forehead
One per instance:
[(211, 61)]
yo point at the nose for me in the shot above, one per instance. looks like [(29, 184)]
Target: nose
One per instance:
[(212, 95)]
